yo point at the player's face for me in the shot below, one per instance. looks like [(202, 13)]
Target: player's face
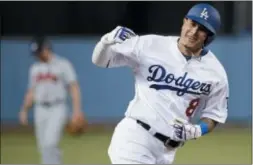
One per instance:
[(44, 55), (193, 35)]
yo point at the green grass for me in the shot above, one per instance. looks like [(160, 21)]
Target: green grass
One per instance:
[(230, 146)]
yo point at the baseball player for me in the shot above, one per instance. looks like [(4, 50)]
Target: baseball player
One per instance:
[(50, 79), (174, 78)]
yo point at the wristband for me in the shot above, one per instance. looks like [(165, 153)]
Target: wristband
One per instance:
[(203, 127)]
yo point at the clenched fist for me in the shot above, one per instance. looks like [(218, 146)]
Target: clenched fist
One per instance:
[(118, 35)]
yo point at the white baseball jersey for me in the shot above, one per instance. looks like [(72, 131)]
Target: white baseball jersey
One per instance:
[(51, 79), (167, 85)]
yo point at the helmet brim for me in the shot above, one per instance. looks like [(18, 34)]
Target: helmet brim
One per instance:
[(202, 22)]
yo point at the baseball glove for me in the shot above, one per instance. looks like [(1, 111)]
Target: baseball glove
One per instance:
[(77, 126)]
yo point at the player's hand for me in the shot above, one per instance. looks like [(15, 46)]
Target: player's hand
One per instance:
[(184, 132), (23, 117), (78, 120), (76, 116), (118, 35)]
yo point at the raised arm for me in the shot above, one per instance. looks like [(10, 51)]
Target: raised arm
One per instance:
[(115, 47)]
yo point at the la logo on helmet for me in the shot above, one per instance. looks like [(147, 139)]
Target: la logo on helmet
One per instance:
[(204, 14)]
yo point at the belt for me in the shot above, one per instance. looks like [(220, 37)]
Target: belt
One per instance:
[(50, 104), (165, 139)]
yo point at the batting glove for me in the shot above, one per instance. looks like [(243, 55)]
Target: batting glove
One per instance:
[(118, 35), (184, 132)]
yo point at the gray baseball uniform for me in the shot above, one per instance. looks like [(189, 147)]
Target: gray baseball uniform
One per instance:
[(49, 81)]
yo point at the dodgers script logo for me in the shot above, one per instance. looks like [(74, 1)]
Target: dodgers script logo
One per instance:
[(183, 84)]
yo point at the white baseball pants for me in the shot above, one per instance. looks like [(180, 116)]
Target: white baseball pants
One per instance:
[(132, 144), (49, 127)]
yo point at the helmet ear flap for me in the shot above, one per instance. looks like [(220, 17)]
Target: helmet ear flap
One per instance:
[(209, 39)]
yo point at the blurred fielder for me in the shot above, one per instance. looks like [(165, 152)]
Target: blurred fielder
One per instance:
[(49, 80), (174, 77)]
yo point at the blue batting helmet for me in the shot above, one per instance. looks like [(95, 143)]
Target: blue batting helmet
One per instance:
[(207, 16)]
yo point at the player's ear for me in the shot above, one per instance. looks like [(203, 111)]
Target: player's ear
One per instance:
[(184, 20)]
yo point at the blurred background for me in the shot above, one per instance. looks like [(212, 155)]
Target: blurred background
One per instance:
[(74, 28)]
